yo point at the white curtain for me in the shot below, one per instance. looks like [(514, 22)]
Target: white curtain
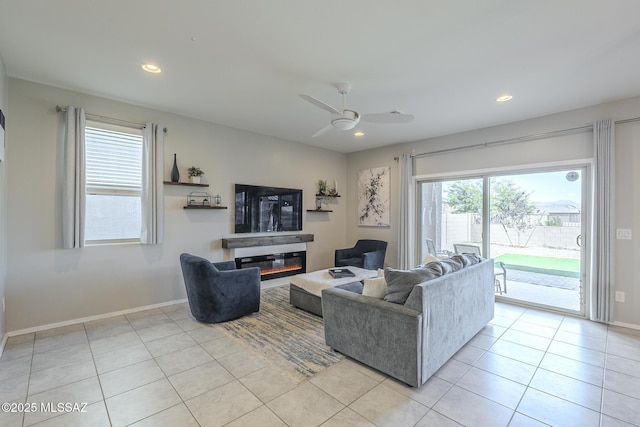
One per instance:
[(406, 258), (152, 188), (603, 228), (73, 190)]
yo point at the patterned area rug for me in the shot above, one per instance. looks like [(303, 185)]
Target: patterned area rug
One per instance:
[(285, 335)]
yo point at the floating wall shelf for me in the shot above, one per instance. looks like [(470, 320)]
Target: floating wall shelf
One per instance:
[(205, 207), (186, 183), (250, 242)]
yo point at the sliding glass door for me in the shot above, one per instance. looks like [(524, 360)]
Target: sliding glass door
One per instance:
[(536, 231), (531, 223), (451, 215)]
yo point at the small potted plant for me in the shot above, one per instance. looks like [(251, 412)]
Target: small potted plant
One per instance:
[(195, 173), (322, 187)]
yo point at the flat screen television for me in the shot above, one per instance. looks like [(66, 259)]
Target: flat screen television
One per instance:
[(266, 209)]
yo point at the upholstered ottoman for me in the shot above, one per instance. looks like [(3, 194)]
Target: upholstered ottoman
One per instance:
[(305, 290)]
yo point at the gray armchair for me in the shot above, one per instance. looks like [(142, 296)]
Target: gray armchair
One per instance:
[(368, 254), (217, 292)]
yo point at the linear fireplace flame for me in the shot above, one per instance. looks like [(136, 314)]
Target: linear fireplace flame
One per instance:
[(277, 265), (296, 268)]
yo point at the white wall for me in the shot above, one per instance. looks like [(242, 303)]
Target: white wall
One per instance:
[(4, 102), (561, 148), (47, 284)]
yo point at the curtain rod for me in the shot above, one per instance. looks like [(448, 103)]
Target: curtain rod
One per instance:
[(527, 138), (111, 120)]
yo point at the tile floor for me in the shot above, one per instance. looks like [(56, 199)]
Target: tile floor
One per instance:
[(161, 368)]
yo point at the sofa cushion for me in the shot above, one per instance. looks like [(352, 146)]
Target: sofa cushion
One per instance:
[(355, 287), (376, 288), (467, 259), (401, 282)]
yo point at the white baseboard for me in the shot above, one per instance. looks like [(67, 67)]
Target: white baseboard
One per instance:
[(263, 285), (626, 325), (91, 318)]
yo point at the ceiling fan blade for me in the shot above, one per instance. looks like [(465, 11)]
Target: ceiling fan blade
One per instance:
[(322, 131), (392, 117), (319, 104)]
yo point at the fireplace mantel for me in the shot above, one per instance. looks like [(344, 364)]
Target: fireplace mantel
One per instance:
[(250, 242)]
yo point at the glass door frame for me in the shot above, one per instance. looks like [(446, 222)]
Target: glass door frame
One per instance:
[(585, 165)]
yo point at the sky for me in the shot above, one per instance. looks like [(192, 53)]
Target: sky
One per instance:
[(550, 186), (548, 189)]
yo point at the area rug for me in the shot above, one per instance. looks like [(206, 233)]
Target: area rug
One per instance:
[(285, 335)]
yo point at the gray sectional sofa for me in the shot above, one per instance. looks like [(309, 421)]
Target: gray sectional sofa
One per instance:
[(410, 341)]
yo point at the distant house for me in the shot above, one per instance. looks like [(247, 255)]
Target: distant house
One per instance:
[(567, 210)]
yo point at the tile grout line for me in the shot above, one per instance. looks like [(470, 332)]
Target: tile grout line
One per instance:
[(528, 386), (166, 377), (26, 398), (93, 359)]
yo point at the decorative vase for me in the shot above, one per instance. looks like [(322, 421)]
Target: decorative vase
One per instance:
[(195, 180), (175, 173)]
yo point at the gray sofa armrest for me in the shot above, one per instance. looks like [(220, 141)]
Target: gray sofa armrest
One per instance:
[(455, 307), (383, 335)]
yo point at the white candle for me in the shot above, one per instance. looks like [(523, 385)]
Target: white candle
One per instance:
[(335, 185)]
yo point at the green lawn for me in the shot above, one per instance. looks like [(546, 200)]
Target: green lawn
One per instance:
[(540, 263)]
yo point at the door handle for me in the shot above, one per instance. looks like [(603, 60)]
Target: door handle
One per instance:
[(579, 240)]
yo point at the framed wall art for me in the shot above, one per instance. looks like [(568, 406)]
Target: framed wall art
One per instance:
[(373, 197)]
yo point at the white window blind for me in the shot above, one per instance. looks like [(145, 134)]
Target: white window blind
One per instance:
[(113, 165), (113, 161)]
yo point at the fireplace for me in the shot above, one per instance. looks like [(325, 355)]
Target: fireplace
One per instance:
[(273, 266)]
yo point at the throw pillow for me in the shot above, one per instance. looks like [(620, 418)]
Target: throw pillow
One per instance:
[(467, 259), (429, 258), (376, 288), (401, 282), (451, 264)]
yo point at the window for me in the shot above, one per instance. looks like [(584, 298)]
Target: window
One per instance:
[(530, 221), (114, 176)]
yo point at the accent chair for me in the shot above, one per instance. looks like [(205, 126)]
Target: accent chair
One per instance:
[(368, 254), (217, 292)]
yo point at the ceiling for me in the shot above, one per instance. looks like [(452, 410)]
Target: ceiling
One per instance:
[(243, 63)]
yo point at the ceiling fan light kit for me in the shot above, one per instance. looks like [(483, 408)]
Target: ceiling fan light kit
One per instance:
[(347, 119)]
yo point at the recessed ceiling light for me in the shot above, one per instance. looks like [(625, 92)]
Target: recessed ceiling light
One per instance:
[(358, 133), (504, 98), (150, 68)]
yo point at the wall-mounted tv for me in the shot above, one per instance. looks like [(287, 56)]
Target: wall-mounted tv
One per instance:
[(266, 209)]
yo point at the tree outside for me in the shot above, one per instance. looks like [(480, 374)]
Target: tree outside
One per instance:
[(465, 197), (511, 206)]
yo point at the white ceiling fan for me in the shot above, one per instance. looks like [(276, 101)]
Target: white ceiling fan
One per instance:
[(347, 118)]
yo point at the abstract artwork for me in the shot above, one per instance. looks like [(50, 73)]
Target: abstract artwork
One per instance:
[(373, 196)]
